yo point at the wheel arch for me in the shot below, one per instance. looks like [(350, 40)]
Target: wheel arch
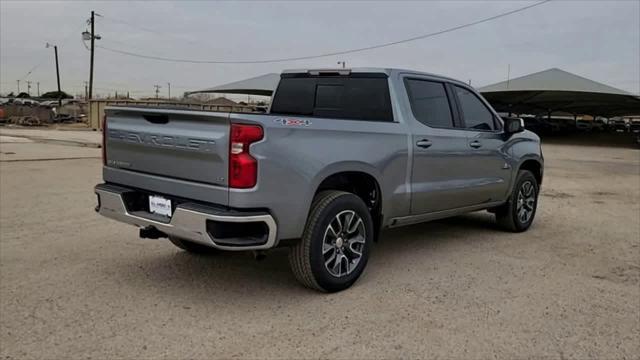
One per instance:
[(535, 167), (359, 179)]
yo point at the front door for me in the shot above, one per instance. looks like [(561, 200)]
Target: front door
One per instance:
[(440, 149), (487, 165)]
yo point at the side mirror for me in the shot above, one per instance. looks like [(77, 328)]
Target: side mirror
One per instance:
[(513, 125)]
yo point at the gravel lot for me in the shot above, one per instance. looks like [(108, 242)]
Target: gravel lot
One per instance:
[(74, 285)]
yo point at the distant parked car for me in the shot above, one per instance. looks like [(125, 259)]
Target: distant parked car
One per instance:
[(537, 126), (618, 125), (553, 126), (72, 102), (560, 125), (634, 126), (584, 125), (26, 102), (49, 103), (599, 125), (568, 125)]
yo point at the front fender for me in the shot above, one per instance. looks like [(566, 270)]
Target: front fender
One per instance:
[(524, 147)]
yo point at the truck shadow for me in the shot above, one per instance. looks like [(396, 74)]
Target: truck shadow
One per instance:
[(230, 276)]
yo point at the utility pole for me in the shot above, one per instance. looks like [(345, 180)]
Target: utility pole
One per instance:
[(157, 90), (38, 86), (55, 49), (93, 39), (169, 87), (29, 88), (508, 74), (86, 90), (18, 93)]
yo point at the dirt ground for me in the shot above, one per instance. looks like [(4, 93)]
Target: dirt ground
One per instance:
[(75, 285)]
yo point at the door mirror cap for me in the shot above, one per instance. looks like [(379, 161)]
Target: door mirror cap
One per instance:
[(513, 125)]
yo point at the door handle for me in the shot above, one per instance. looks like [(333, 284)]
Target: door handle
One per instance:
[(424, 143), (475, 144)]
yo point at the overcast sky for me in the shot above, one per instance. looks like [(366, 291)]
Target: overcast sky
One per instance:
[(596, 39)]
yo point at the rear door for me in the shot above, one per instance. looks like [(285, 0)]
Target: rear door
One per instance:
[(439, 170), (174, 144), (486, 164)]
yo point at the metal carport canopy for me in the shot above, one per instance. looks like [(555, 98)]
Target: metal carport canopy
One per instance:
[(557, 90), (263, 85)]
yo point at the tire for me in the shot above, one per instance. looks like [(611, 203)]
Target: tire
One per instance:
[(322, 259), (192, 247), (525, 191)]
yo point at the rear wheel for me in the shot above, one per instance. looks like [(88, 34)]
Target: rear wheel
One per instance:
[(334, 248), (191, 246), (518, 213)]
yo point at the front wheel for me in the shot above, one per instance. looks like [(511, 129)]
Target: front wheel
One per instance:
[(334, 248), (518, 213)]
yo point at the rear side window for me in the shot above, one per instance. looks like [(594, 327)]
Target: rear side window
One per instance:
[(475, 113), (294, 97), (429, 103), (341, 97)]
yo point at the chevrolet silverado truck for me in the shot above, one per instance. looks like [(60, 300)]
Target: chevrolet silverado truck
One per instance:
[(339, 156)]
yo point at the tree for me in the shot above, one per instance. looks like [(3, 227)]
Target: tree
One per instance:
[(56, 95), (23, 95)]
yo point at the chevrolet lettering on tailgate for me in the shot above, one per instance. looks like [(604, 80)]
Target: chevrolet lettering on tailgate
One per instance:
[(178, 142)]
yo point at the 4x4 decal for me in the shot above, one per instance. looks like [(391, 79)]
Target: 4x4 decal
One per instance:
[(292, 122)]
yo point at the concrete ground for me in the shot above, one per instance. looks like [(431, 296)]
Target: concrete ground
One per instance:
[(78, 137), (74, 285)]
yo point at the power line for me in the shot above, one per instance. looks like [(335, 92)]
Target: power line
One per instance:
[(334, 53)]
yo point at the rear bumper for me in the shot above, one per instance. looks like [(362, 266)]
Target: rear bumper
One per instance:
[(192, 221)]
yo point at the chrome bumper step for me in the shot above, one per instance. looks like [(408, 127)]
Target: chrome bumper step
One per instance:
[(189, 220)]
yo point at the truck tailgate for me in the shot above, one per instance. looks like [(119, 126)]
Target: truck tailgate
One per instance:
[(183, 145)]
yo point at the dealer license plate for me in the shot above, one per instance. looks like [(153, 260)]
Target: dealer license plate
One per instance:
[(159, 205)]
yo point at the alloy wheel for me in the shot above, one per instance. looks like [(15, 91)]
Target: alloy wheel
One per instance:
[(526, 202), (343, 243)]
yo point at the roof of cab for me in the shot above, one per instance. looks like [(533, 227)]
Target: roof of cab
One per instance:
[(267, 83), (388, 71)]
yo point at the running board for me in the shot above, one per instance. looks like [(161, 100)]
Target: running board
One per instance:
[(414, 219)]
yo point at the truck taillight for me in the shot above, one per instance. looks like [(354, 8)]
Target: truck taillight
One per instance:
[(104, 140), (243, 168)]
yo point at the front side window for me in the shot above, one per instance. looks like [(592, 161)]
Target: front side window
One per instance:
[(475, 113), (429, 103)]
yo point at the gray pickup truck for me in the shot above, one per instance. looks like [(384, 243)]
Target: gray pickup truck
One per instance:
[(340, 155)]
